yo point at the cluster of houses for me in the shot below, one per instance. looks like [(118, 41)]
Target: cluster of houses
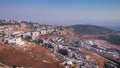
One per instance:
[(102, 50), (68, 52), (92, 45), (71, 55), (8, 36)]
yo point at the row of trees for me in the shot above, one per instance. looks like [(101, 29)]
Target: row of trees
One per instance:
[(114, 39)]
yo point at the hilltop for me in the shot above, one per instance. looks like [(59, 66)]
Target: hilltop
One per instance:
[(90, 29)]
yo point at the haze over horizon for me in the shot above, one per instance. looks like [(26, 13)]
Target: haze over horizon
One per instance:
[(63, 12)]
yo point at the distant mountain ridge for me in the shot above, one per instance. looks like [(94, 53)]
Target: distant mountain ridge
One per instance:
[(116, 28), (90, 29)]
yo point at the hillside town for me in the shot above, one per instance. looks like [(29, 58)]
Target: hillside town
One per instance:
[(60, 41)]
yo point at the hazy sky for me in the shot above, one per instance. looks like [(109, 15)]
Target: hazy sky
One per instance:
[(63, 12)]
